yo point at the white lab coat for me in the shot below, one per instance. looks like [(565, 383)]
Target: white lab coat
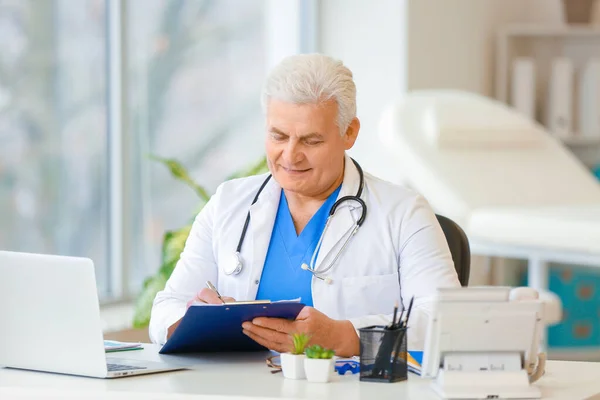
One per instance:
[(399, 252)]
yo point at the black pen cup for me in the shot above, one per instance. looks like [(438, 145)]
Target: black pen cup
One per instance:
[(383, 354)]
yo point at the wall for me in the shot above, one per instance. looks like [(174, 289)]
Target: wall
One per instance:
[(369, 37), (451, 43), (398, 45)]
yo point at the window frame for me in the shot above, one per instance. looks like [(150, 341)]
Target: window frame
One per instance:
[(291, 28)]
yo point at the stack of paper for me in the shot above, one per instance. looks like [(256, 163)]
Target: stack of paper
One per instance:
[(112, 345), (415, 358)]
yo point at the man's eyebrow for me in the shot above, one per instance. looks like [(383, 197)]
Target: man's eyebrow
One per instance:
[(275, 130), (312, 135)]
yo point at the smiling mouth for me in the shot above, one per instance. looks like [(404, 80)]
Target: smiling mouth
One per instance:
[(295, 171)]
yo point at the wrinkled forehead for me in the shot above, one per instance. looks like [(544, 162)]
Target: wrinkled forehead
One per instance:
[(303, 118)]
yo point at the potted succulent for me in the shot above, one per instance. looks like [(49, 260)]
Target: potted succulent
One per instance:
[(318, 364), (292, 363)]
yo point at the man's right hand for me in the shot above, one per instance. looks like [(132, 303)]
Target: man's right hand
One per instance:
[(209, 296), (206, 296)]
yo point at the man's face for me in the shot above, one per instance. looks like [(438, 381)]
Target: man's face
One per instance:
[(305, 150)]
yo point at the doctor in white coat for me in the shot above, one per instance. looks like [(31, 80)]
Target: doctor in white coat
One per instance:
[(347, 281)]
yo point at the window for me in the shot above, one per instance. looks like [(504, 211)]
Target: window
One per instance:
[(53, 171), (90, 88), (194, 80)]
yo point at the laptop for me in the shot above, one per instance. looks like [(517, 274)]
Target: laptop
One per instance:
[(50, 319)]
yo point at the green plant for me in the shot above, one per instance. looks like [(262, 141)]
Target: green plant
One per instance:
[(174, 241), (300, 341), (316, 351)]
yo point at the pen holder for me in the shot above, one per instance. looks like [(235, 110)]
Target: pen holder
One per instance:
[(383, 354)]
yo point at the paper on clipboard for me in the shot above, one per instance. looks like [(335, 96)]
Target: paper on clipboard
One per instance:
[(250, 302)]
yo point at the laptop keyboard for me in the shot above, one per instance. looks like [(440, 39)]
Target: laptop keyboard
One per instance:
[(121, 367)]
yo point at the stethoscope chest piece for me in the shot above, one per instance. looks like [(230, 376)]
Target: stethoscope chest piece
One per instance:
[(327, 279), (233, 266)]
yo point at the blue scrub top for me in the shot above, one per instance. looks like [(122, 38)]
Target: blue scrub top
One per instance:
[(282, 276)]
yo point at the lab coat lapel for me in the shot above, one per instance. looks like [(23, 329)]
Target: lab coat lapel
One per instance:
[(342, 221), (262, 220)]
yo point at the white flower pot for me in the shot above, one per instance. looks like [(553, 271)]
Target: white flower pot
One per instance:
[(319, 370), (292, 365)]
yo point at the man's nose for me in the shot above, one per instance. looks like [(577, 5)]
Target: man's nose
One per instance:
[(293, 152)]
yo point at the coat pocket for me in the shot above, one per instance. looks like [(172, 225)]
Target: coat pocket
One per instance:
[(370, 295)]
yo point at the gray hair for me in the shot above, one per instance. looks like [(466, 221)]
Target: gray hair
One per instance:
[(311, 79)]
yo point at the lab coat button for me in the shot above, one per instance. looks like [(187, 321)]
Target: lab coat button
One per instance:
[(256, 281)]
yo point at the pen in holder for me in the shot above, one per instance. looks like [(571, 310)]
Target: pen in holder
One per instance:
[(383, 353)]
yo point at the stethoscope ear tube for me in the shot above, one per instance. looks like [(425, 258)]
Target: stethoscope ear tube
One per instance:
[(360, 201), (245, 228)]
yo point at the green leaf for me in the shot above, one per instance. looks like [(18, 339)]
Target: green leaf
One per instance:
[(147, 281), (179, 172), (300, 341), (313, 351), (317, 351), (174, 243), (143, 305), (327, 354), (259, 168), (167, 269)]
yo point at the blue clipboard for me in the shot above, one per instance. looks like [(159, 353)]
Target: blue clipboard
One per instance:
[(218, 328)]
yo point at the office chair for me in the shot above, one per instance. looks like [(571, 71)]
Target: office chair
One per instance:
[(459, 247)]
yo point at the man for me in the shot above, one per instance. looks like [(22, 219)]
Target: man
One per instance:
[(398, 252)]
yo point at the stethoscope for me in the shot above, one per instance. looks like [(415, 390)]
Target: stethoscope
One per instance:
[(236, 264)]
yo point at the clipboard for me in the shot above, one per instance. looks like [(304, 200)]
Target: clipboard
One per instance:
[(209, 328)]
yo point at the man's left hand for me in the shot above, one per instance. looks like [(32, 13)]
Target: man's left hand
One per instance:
[(275, 333)]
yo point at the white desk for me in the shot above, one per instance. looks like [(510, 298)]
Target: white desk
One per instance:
[(247, 376)]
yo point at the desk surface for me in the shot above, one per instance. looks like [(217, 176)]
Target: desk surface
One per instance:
[(237, 376)]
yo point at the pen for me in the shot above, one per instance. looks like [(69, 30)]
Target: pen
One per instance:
[(212, 287), (408, 312), (399, 324), (400, 340), (387, 344), (393, 324)]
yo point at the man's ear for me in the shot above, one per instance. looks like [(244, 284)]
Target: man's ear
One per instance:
[(351, 133)]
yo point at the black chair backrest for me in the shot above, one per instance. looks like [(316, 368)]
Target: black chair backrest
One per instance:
[(459, 247)]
